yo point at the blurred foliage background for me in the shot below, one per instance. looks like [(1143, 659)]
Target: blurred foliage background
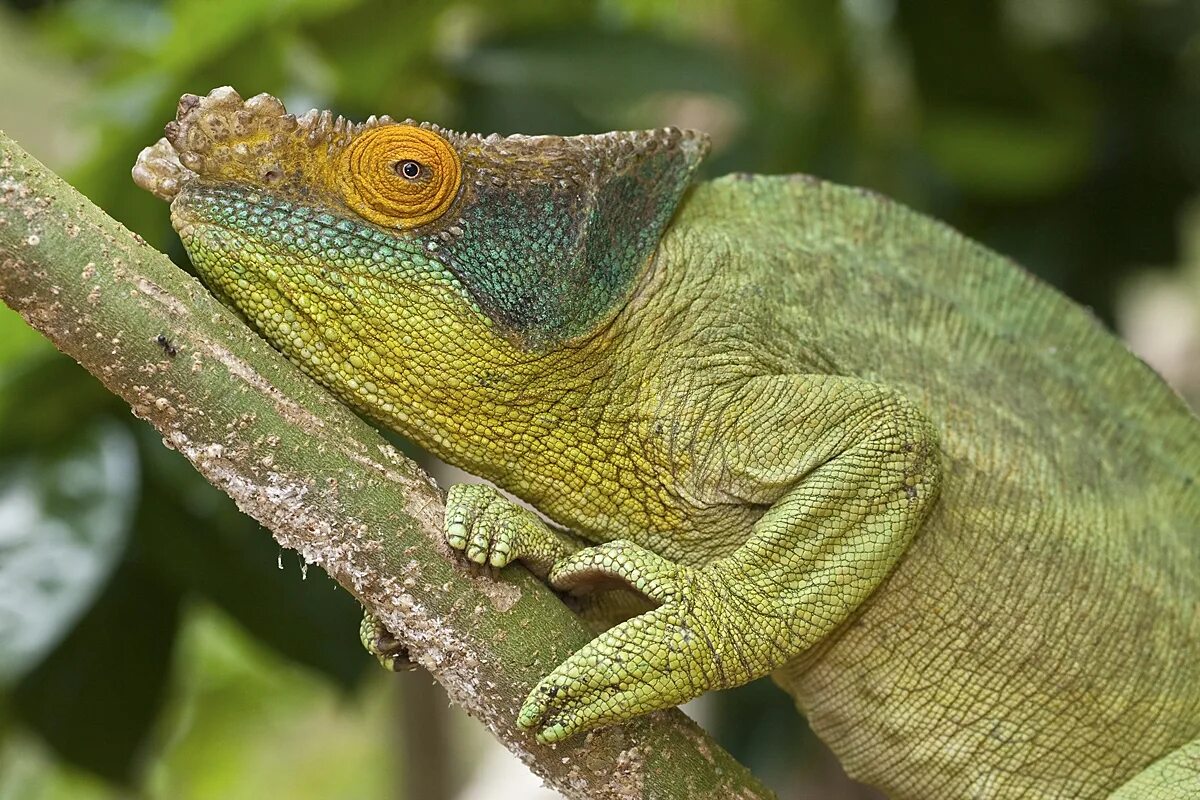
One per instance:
[(154, 643)]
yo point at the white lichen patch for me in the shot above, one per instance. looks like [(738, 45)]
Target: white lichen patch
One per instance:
[(163, 298), (10, 187), (306, 523), (287, 408)]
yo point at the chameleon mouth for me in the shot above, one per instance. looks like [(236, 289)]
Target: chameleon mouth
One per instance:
[(159, 171)]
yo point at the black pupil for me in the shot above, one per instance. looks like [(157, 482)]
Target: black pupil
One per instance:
[(410, 169)]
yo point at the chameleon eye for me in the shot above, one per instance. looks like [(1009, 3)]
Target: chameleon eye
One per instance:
[(400, 176)]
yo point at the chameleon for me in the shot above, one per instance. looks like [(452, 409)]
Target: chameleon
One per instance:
[(772, 425)]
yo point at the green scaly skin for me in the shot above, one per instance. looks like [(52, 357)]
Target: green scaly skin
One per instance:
[(826, 438)]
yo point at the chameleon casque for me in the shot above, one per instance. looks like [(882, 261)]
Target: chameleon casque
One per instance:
[(822, 436)]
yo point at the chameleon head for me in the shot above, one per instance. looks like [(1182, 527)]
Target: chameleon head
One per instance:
[(397, 261)]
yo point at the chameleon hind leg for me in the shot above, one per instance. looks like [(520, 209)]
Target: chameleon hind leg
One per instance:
[(1175, 776), (379, 642)]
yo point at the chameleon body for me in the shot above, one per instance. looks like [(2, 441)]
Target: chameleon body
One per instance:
[(819, 436)]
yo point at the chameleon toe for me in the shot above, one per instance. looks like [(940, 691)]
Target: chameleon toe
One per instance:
[(530, 713), (553, 734), (477, 550), (456, 535)]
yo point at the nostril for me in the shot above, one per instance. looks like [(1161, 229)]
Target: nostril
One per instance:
[(272, 175)]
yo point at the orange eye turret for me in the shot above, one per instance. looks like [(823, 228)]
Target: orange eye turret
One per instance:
[(400, 176)]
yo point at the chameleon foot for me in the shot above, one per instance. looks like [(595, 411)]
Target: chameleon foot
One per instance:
[(493, 530), (379, 642), (658, 659)]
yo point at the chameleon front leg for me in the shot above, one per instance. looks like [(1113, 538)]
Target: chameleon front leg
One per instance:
[(849, 471), (489, 529)]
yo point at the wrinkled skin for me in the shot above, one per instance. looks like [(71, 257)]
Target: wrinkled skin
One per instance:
[(820, 436)]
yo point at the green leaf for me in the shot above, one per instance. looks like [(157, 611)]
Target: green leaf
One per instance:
[(46, 399), (619, 66), (630, 79), (65, 515), (95, 699), (1008, 156), (18, 340)]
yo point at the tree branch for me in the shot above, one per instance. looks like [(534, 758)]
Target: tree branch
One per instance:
[(325, 483)]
